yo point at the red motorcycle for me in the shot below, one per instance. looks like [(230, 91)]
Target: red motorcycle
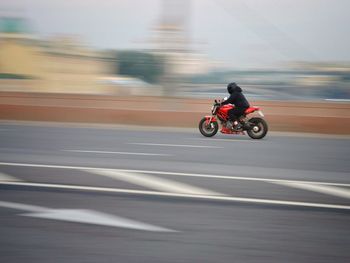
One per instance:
[(256, 127)]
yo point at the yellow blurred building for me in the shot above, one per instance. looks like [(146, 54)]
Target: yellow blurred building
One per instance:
[(56, 65)]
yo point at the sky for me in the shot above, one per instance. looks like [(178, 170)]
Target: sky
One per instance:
[(252, 33)]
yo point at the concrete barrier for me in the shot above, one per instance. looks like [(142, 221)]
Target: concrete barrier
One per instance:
[(313, 117)]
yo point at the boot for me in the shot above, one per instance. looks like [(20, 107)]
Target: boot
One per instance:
[(237, 125)]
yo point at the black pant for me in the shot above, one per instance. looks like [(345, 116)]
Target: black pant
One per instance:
[(235, 113)]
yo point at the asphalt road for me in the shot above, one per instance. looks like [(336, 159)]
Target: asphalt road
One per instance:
[(112, 194)]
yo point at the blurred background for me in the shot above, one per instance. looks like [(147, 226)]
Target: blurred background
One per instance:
[(164, 56), (132, 190), (289, 50)]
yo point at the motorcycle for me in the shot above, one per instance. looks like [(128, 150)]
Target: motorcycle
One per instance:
[(256, 127)]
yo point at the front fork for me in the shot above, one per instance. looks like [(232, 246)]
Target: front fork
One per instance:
[(209, 119)]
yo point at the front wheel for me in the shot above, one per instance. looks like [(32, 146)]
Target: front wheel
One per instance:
[(208, 129), (258, 128)]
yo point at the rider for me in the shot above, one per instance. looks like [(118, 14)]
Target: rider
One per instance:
[(241, 104)]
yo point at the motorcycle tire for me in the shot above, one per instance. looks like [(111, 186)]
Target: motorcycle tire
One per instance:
[(258, 128), (208, 130)]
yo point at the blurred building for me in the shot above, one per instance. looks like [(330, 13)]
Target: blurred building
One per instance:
[(56, 65), (171, 40), (18, 53), (71, 67)]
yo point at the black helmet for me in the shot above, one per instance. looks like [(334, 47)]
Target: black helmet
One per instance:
[(231, 87)]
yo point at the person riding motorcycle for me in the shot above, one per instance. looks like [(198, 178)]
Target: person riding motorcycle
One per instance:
[(241, 104)]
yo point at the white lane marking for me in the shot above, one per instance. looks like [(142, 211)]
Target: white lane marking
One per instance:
[(6, 177), (324, 189), (175, 173), (204, 197), (122, 153), (174, 145), (24, 207), (226, 140), (153, 182), (340, 100), (96, 218), (83, 216)]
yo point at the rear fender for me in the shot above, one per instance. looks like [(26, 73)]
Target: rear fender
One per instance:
[(251, 110)]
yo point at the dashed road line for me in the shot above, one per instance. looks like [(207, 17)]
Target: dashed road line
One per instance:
[(174, 145), (121, 153), (226, 140), (339, 100)]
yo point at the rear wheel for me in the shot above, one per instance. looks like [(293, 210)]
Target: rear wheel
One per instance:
[(208, 129), (258, 128)]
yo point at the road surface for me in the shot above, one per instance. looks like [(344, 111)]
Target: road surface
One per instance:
[(117, 194)]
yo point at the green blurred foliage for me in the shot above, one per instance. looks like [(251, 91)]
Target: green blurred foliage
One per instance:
[(14, 76), (145, 66)]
